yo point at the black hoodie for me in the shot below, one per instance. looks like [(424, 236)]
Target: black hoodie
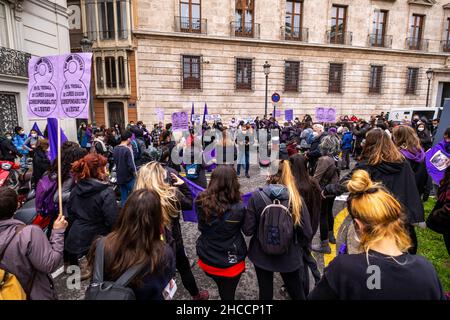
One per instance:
[(398, 178), (92, 210)]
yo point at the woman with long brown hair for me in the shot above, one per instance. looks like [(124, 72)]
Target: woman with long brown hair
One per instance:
[(409, 145), (92, 206), (175, 196), (136, 241), (277, 245), (384, 163), (221, 246), (384, 270)]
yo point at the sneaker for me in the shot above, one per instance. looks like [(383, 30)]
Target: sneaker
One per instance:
[(322, 247), (331, 237), (247, 176), (202, 295)]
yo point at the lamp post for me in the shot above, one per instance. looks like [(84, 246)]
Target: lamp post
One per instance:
[(86, 46), (266, 67), (429, 77)]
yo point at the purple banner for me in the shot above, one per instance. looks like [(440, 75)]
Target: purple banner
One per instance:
[(325, 114), (59, 86), (180, 121)]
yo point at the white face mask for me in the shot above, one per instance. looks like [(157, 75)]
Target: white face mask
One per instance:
[(34, 135), (9, 137), (421, 129)]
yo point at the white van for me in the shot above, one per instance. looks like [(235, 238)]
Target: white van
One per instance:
[(400, 114)]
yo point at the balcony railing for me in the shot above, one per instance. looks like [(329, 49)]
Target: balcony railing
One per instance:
[(339, 37), (445, 45), (14, 62), (381, 41), (417, 44), (296, 34), (185, 24), (248, 30)]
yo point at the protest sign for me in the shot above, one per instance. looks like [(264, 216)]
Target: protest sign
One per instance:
[(58, 86), (180, 121), (289, 114), (196, 118), (325, 114)]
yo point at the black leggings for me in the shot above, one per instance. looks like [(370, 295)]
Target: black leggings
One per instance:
[(227, 286), (292, 281), (184, 268), (326, 218)]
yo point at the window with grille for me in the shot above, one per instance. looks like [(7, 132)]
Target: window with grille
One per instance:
[(413, 76), (335, 78), (191, 72), (291, 75), (111, 16), (244, 74), (376, 73)]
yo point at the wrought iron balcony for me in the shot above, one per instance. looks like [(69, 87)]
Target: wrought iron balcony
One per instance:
[(14, 62), (194, 25), (339, 37), (379, 40), (417, 44), (248, 30), (296, 33), (445, 45)]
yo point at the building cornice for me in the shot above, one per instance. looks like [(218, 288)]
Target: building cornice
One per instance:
[(142, 33), (427, 3)]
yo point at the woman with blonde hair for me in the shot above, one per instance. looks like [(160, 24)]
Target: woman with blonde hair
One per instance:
[(175, 196), (384, 163), (278, 221), (409, 145), (384, 270)]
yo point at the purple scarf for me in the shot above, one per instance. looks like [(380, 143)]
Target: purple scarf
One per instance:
[(434, 173), (416, 157)]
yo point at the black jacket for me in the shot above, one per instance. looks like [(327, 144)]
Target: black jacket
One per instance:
[(398, 178), (425, 139), (314, 152), (41, 164), (420, 174), (347, 278), (221, 243), (8, 151), (360, 134), (125, 167), (92, 210), (293, 259)]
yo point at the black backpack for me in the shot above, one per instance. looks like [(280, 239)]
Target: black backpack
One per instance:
[(276, 227), (110, 290)]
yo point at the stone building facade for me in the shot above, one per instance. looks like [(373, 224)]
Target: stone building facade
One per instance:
[(28, 28), (360, 57)]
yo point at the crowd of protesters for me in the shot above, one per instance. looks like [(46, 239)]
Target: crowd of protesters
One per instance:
[(386, 177)]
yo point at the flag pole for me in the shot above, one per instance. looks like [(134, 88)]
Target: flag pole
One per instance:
[(60, 202)]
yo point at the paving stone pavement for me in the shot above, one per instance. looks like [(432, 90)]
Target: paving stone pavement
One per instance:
[(248, 285)]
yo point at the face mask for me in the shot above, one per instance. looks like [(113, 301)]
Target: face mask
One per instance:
[(9, 137), (34, 135), (421, 129), (21, 132), (416, 119)]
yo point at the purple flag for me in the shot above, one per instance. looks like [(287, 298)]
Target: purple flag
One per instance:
[(205, 112), (192, 112), (52, 129), (36, 128), (191, 215), (435, 161)]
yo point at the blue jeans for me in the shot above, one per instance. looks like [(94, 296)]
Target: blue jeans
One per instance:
[(125, 190), (246, 164)]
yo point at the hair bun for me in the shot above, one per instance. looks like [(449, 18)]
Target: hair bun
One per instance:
[(360, 182)]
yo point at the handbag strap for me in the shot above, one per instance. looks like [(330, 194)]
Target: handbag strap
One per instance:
[(99, 265)]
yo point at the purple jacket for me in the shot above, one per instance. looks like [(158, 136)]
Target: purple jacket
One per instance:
[(29, 252)]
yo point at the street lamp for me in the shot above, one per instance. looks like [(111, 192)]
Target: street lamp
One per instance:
[(429, 77), (86, 46), (266, 67)]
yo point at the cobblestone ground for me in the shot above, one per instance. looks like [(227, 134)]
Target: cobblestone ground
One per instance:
[(248, 285)]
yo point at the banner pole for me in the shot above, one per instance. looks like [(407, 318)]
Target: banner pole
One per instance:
[(60, 202)]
